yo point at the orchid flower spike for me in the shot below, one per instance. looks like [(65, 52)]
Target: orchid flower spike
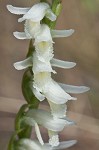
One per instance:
[(33, 16), (25, 144)]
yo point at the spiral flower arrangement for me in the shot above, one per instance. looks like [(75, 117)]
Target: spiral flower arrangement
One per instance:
[(37, 83)]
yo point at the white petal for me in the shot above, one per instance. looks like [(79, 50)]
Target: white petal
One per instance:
[(50, 15), (21, 35), (65, 144), (62, 64), (23, 64), (61, 33), (37, 130), (39, 66), (56, 94), (38, 95), (45, 119), (28, 144), (36, 13), (17, 10), (74, 89), (53, 138), (58, 110)]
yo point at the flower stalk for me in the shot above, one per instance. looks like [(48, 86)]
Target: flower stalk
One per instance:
[(37, 83)]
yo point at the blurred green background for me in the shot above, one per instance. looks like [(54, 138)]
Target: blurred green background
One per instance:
[(82, 47)]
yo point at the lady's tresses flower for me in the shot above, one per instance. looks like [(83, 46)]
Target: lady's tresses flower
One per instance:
[(35, 145), (38, 66), (33, 16), (44, 44), (44, 118), (45, 87)]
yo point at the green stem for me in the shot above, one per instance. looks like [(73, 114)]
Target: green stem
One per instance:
[(13, 141)]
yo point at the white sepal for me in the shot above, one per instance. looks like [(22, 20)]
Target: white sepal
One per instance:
[(21, 35), (62, 64), (23, 64), (17, 10), (74, 89), (61, 33)]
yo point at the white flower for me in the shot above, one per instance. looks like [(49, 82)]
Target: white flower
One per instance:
[(36, 13), (26, 144), (46, 87), (32, 28), (39, 66), (33, 16), (44, 118), (30, 61), (44, 44)]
